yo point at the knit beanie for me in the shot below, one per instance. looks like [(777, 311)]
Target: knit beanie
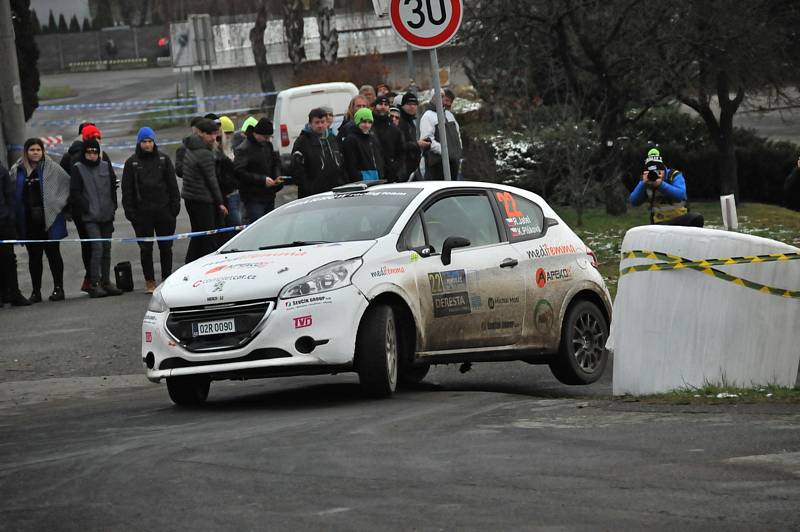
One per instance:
[(90, 132), (264, 127), (144, 134), (654, 159), (90, 144), (249, 122), (227, 124), (363, 114)]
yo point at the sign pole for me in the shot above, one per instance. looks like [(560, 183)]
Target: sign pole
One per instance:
[(438, 98)]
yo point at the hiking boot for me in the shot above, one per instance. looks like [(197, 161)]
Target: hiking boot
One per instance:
[(149, 287), (111, 289), (95, 290), (36, 297), (57, 295), (18, 300)]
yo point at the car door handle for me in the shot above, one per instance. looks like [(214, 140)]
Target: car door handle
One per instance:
[(509, 263)]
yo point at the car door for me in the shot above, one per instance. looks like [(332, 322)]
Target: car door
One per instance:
[(546, 265), (478, 300)]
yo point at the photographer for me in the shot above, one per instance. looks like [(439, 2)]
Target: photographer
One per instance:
[(665, 191)]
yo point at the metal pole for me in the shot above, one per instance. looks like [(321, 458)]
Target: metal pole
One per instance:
[(10, 91), (437, 92), (412, 70)]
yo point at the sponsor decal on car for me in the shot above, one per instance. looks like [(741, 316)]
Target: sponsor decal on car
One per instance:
[(475, 301), (546, 250), (237, 266), (150, 317), (303, 322), (448, 281), (547, 276), (240, 277), (451, 304), (498, 325), (499, 301), (543, 316), (414, 256), (520, 226), (386, 271), (148, 337), (303, 302)]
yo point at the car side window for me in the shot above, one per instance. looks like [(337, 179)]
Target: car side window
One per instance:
[(414, 234), (467, 216), (523, 219)]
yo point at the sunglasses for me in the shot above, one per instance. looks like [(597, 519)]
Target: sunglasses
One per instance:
[(92, 150)]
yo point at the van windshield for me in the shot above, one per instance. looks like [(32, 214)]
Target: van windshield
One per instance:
[(331, 217)]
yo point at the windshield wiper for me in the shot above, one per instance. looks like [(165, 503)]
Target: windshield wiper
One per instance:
[(234, 250), (295, 243)]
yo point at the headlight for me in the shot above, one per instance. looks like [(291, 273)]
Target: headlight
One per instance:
[(330, 277), (157, 303)]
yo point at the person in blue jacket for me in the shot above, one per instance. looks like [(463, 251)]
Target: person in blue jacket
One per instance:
[(664, 190)]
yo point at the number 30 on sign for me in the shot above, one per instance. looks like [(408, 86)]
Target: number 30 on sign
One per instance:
[(426, 23)]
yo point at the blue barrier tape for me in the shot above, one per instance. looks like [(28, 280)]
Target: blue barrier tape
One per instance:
[(133, 104), (133, 239)]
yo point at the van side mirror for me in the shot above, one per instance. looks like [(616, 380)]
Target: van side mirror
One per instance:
[(451, 243), (550, 222)]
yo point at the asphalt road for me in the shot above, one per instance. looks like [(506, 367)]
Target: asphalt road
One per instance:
[(89, 444)]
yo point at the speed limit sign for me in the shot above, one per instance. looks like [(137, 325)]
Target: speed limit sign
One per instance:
[(426, 23)]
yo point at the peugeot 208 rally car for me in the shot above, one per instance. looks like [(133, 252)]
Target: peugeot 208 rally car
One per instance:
[(383, 280)]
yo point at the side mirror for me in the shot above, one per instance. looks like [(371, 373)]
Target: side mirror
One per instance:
[(451, 243), (550, 222)]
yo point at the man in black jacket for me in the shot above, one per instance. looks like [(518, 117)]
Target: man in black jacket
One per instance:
[(200, 192), (362, 151), (391, 139), (151, 201), (9, 285), (317, 160), (258, 168), (414, 146)]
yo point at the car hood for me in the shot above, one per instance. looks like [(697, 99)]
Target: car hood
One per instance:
[(244, 276)]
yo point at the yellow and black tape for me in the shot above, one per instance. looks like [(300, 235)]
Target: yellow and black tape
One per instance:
[(705, 266)]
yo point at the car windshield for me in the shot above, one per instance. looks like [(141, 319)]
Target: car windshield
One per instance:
[(337, 217)]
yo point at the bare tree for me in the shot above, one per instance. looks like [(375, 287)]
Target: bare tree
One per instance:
[(293, 27), (260, 53), (328, 36)]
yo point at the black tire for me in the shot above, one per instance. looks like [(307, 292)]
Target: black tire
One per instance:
[(377, 351), (412, 374), (191, 390), (582, 356)]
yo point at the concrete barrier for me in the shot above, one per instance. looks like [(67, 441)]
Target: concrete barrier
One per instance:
[(676, 328)]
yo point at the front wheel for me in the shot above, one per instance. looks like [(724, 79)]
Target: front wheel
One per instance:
[(191, 390), (413, 374), (377, 351), (582, 356)]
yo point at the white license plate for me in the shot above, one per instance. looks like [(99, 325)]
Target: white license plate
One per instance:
[(204, 328)]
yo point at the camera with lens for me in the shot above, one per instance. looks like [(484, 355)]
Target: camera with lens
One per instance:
[(652, 175)]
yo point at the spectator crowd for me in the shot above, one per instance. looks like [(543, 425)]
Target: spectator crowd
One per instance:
[(228, 178)]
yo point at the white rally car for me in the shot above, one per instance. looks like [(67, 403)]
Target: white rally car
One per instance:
[(383, 280)]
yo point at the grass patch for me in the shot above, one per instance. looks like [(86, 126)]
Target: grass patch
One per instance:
[(722, 394), (56, 92), (604, 233)]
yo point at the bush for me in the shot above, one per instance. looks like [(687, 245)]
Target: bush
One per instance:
[(360, 70)]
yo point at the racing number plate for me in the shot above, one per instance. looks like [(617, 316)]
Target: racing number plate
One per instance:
[(204, 328)]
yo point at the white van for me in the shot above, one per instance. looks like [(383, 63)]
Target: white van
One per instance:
[(293, 105)]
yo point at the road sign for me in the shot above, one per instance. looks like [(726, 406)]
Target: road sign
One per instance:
[(426, 23)]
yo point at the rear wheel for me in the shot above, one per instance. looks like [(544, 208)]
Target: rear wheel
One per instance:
[(582, 357), (377, 351), (190, 390)]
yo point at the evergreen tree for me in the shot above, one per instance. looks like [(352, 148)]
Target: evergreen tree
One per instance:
[(87, 26), (62, 24), (37, 27), (52, 26), (74, 25), (27, 55)]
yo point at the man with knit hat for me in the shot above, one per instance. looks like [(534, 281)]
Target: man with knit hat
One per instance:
[(362, 151), (258, 169), (664, 189), (240, 136), (391, 140), (151, 201), (414, 146)]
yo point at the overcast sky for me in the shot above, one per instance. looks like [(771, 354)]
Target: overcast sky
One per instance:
[(68, 7)]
